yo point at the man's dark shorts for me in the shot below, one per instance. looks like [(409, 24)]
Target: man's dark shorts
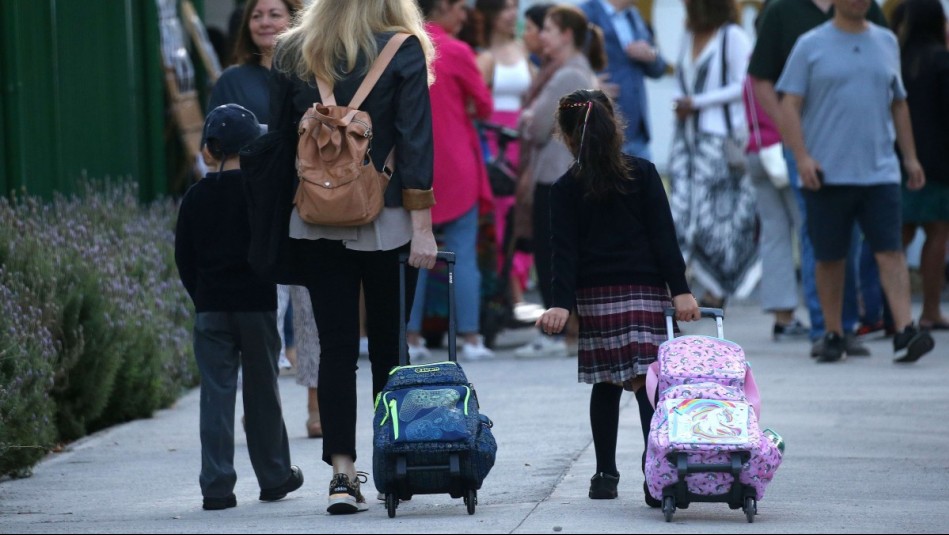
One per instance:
[(832, 211)]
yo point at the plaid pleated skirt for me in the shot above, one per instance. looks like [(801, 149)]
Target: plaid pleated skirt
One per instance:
[(621, 328)]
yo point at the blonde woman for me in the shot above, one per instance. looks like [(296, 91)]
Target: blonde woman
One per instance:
[(336, 42)]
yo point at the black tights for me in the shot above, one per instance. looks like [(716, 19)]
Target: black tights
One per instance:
[(604, 421)]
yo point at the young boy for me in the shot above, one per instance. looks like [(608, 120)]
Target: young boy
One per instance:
[(236, 320)]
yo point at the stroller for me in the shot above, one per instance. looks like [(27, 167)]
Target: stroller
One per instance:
[(704, 441)]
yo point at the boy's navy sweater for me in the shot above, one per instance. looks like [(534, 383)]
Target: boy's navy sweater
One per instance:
[(623, 239), (211, 242)]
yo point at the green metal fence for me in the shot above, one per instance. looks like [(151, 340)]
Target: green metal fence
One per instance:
[(82, 95)]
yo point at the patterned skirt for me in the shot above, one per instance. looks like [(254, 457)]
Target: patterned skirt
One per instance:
[(621, 328)]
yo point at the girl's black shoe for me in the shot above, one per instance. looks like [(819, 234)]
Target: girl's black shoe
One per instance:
[(603, 486)]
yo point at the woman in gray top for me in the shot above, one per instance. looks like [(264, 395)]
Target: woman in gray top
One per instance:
[(574, 50)]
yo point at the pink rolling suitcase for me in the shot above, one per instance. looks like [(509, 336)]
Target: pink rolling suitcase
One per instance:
[(705, 444)]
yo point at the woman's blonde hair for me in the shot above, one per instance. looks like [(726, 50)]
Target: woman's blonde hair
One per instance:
[(330, 32)]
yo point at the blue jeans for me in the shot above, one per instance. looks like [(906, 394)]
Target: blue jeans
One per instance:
[(808, 265), (461, 237)]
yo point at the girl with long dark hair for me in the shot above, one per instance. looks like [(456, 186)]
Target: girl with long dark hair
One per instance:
[(616, 259)]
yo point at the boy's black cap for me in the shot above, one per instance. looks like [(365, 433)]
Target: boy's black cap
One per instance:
[(233, 126)]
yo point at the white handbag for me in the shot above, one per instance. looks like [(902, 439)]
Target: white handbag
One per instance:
[(772, 159), (772, 156)]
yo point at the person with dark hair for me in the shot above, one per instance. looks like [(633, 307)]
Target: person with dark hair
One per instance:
[(712, 198), (533, 22), (472, 31), (507, 70), (780, 25), (245, 82), (920, 26), (616, 261), (574, 50), (459, 95), (844, 76), (632, 54), (235, 324)]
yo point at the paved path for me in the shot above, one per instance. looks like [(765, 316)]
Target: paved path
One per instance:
[(867, 451)]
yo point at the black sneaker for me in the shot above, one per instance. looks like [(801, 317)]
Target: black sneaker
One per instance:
[(853, 347), (911, 344), (789, 331), (280, 492), (603, 486), (216, 504), (832, 348), (345, 497)]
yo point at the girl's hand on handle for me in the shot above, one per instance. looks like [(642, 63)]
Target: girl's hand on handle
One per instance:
[(687, 309), (553, 320)]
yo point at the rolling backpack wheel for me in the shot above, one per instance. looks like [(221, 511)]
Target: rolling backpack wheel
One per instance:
[(668, 507), (392, 502), (750, 509), (471, 500)]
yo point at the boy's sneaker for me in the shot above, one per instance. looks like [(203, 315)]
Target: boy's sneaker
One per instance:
[(543, 346), (476, 351), (217, 504), (603, 486), (911, 344), (280, 492), (790, 331), (419, 353), (832, 347), (345, 498)]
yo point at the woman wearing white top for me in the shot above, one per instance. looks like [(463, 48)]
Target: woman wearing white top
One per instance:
[(505, 67), (712, 200)]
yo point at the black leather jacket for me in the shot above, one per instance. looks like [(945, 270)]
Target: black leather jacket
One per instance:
[(401, 115)]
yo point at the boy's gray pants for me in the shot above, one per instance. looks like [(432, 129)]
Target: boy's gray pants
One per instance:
[(223, 343)]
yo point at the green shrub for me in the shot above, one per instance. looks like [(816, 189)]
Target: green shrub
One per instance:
[(97, 273)]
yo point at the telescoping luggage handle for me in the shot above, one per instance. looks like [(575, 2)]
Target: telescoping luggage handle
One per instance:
[(707, 312), (449, 259)]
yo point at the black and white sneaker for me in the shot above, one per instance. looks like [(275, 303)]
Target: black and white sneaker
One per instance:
[(345, 498), (911, 344)]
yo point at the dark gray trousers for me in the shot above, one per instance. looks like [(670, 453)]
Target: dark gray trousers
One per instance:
[(224, 342)]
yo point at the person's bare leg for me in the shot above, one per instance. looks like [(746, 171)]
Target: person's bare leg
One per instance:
[(783, 317), (894, 277), (932, 266), (344, 464), (314, 428), (830, 283)]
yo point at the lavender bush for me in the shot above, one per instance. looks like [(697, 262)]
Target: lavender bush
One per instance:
[(96, 325)]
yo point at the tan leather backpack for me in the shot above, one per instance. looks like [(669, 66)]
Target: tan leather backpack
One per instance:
[(339, 185)]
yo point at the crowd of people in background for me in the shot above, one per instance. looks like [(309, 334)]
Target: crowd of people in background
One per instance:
[(804, 160)]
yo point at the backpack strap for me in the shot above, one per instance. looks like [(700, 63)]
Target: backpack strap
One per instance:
[(375, 72), (378, 67)]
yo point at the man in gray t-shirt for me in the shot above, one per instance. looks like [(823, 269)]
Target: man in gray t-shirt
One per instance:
[(844, 105)]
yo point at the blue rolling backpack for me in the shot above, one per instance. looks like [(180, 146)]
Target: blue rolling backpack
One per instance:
[(429, 436)]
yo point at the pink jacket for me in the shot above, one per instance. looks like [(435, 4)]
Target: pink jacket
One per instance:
[(459, 95), (760, 127)]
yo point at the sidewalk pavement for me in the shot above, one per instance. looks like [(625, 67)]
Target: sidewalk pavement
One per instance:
[(867, 451)]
